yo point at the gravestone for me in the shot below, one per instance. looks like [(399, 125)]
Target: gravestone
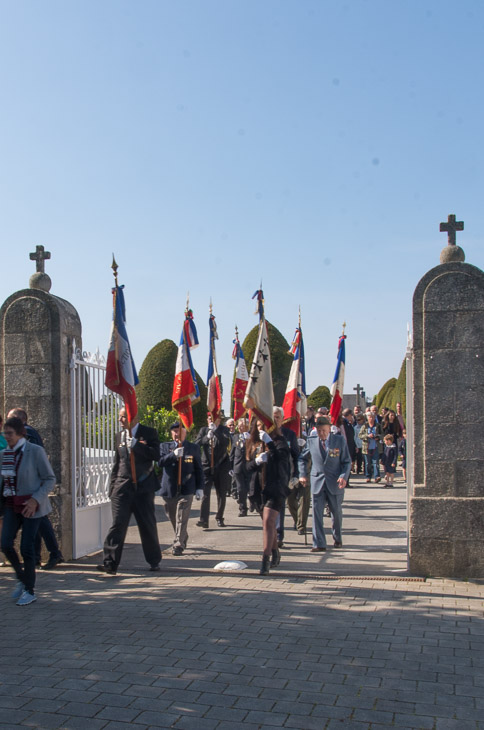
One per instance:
[(446, 520), (36, 334)]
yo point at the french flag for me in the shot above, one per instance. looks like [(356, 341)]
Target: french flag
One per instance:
[(214, 394), (338, 382), (240, 381), (185, 387), (295, 405), (121, 376)]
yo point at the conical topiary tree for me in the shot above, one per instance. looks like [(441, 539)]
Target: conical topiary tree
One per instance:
[(281, 360), (156, 382), (385, 396), (400, 392), (320, 397)]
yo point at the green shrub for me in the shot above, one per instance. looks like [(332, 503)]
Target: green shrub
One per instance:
[(320, 397)]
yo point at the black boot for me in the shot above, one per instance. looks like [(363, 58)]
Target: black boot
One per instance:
[(276, 558), (265, 566)]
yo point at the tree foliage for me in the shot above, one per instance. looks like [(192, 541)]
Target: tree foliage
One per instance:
[(281, 360), (400, 392), (156, 383), (385, 396), (320, 397)]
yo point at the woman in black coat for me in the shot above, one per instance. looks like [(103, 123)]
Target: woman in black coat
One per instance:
[(268, 462)]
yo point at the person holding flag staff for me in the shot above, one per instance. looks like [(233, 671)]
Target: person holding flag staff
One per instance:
[(182, 480), (133, 480), (214, 441), (268, 461)]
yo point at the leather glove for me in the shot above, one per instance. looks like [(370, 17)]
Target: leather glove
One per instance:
[(211, 426), (179, 452), (231, 473), (265, 437), (262, 458), (199, 494)]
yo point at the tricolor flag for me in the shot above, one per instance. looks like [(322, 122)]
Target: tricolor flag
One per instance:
[(121, 376), (214, 394), (240, 380), (338, 382), (295, 398), (259, 395), (185, 388)]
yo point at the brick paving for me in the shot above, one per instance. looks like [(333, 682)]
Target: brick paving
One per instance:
[(315, 647)]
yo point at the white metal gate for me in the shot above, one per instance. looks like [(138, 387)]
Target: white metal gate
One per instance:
[(94, 422)]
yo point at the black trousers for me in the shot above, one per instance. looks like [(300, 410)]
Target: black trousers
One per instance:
[(242, 481), (219, 480), (125, 503)]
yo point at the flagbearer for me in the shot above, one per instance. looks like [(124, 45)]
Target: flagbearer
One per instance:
[(214, 440), (182, 480), (129, 497)]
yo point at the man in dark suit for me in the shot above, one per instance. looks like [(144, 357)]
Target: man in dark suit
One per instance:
[(215, 442), (182, 480), (133, 498), (331, 466)]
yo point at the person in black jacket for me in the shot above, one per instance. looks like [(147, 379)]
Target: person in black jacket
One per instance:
[(291, 439), (268, 459), (348, 425), (214, 440), (182, 480), (238, 465), (133, 498)]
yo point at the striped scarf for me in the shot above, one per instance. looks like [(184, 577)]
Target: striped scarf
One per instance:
[(10, 463)]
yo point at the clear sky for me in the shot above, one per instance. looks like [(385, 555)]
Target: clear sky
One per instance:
[(313, 144)]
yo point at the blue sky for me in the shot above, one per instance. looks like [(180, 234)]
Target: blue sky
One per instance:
[(212, 144)]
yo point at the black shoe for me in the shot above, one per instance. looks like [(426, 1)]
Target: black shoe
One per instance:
[(338, 544), (221, 523), (302, 531), (318, 550), (155, 568), (202, 523), (276, 558), (251, 508), (103, 568), (177, 550), (265, 566), (243, 513), (280, 544), (52, 562)]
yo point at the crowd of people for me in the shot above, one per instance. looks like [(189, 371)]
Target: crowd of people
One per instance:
[(264, 470)]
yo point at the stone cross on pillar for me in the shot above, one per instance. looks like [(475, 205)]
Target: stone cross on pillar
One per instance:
[(40, 256), (451, 227), (358, 391)]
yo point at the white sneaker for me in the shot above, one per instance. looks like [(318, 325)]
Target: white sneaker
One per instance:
[(26, 598), (18, 590)]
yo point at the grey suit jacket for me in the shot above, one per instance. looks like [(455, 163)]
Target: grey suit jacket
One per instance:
[(35, 477), (337, 463)]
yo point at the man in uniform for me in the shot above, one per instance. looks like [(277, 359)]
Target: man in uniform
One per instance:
[(331, 466), (130, 497), (214, 440), (182, 480)]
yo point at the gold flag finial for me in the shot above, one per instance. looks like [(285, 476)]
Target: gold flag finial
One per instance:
[(114, 267), (299, 316), (236, 332), (344, 327), (210, 307), (188, 302)]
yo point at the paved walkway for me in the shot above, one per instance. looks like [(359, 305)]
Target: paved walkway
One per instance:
[(346, 640)]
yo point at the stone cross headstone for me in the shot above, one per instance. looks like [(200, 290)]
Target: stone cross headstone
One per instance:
[(359, 390), (451, 227), (446, 514), (36, 334)]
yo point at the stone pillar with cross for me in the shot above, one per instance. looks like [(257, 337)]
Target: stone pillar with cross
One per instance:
[(446, 509), (36, 334)]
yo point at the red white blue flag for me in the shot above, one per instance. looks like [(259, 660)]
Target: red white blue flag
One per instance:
[(259, 395), (338, 382), (121, 376), (185, 387), (295, 404), (214, 393), (240, 380)]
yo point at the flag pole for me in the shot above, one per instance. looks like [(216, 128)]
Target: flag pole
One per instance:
[(179, 477), (115, 267), (211, 440)]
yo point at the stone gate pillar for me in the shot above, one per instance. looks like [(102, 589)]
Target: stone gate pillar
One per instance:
[(36, 333), (446, 520)]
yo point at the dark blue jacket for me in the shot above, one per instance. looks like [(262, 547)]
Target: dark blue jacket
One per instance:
[(191, 475)]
